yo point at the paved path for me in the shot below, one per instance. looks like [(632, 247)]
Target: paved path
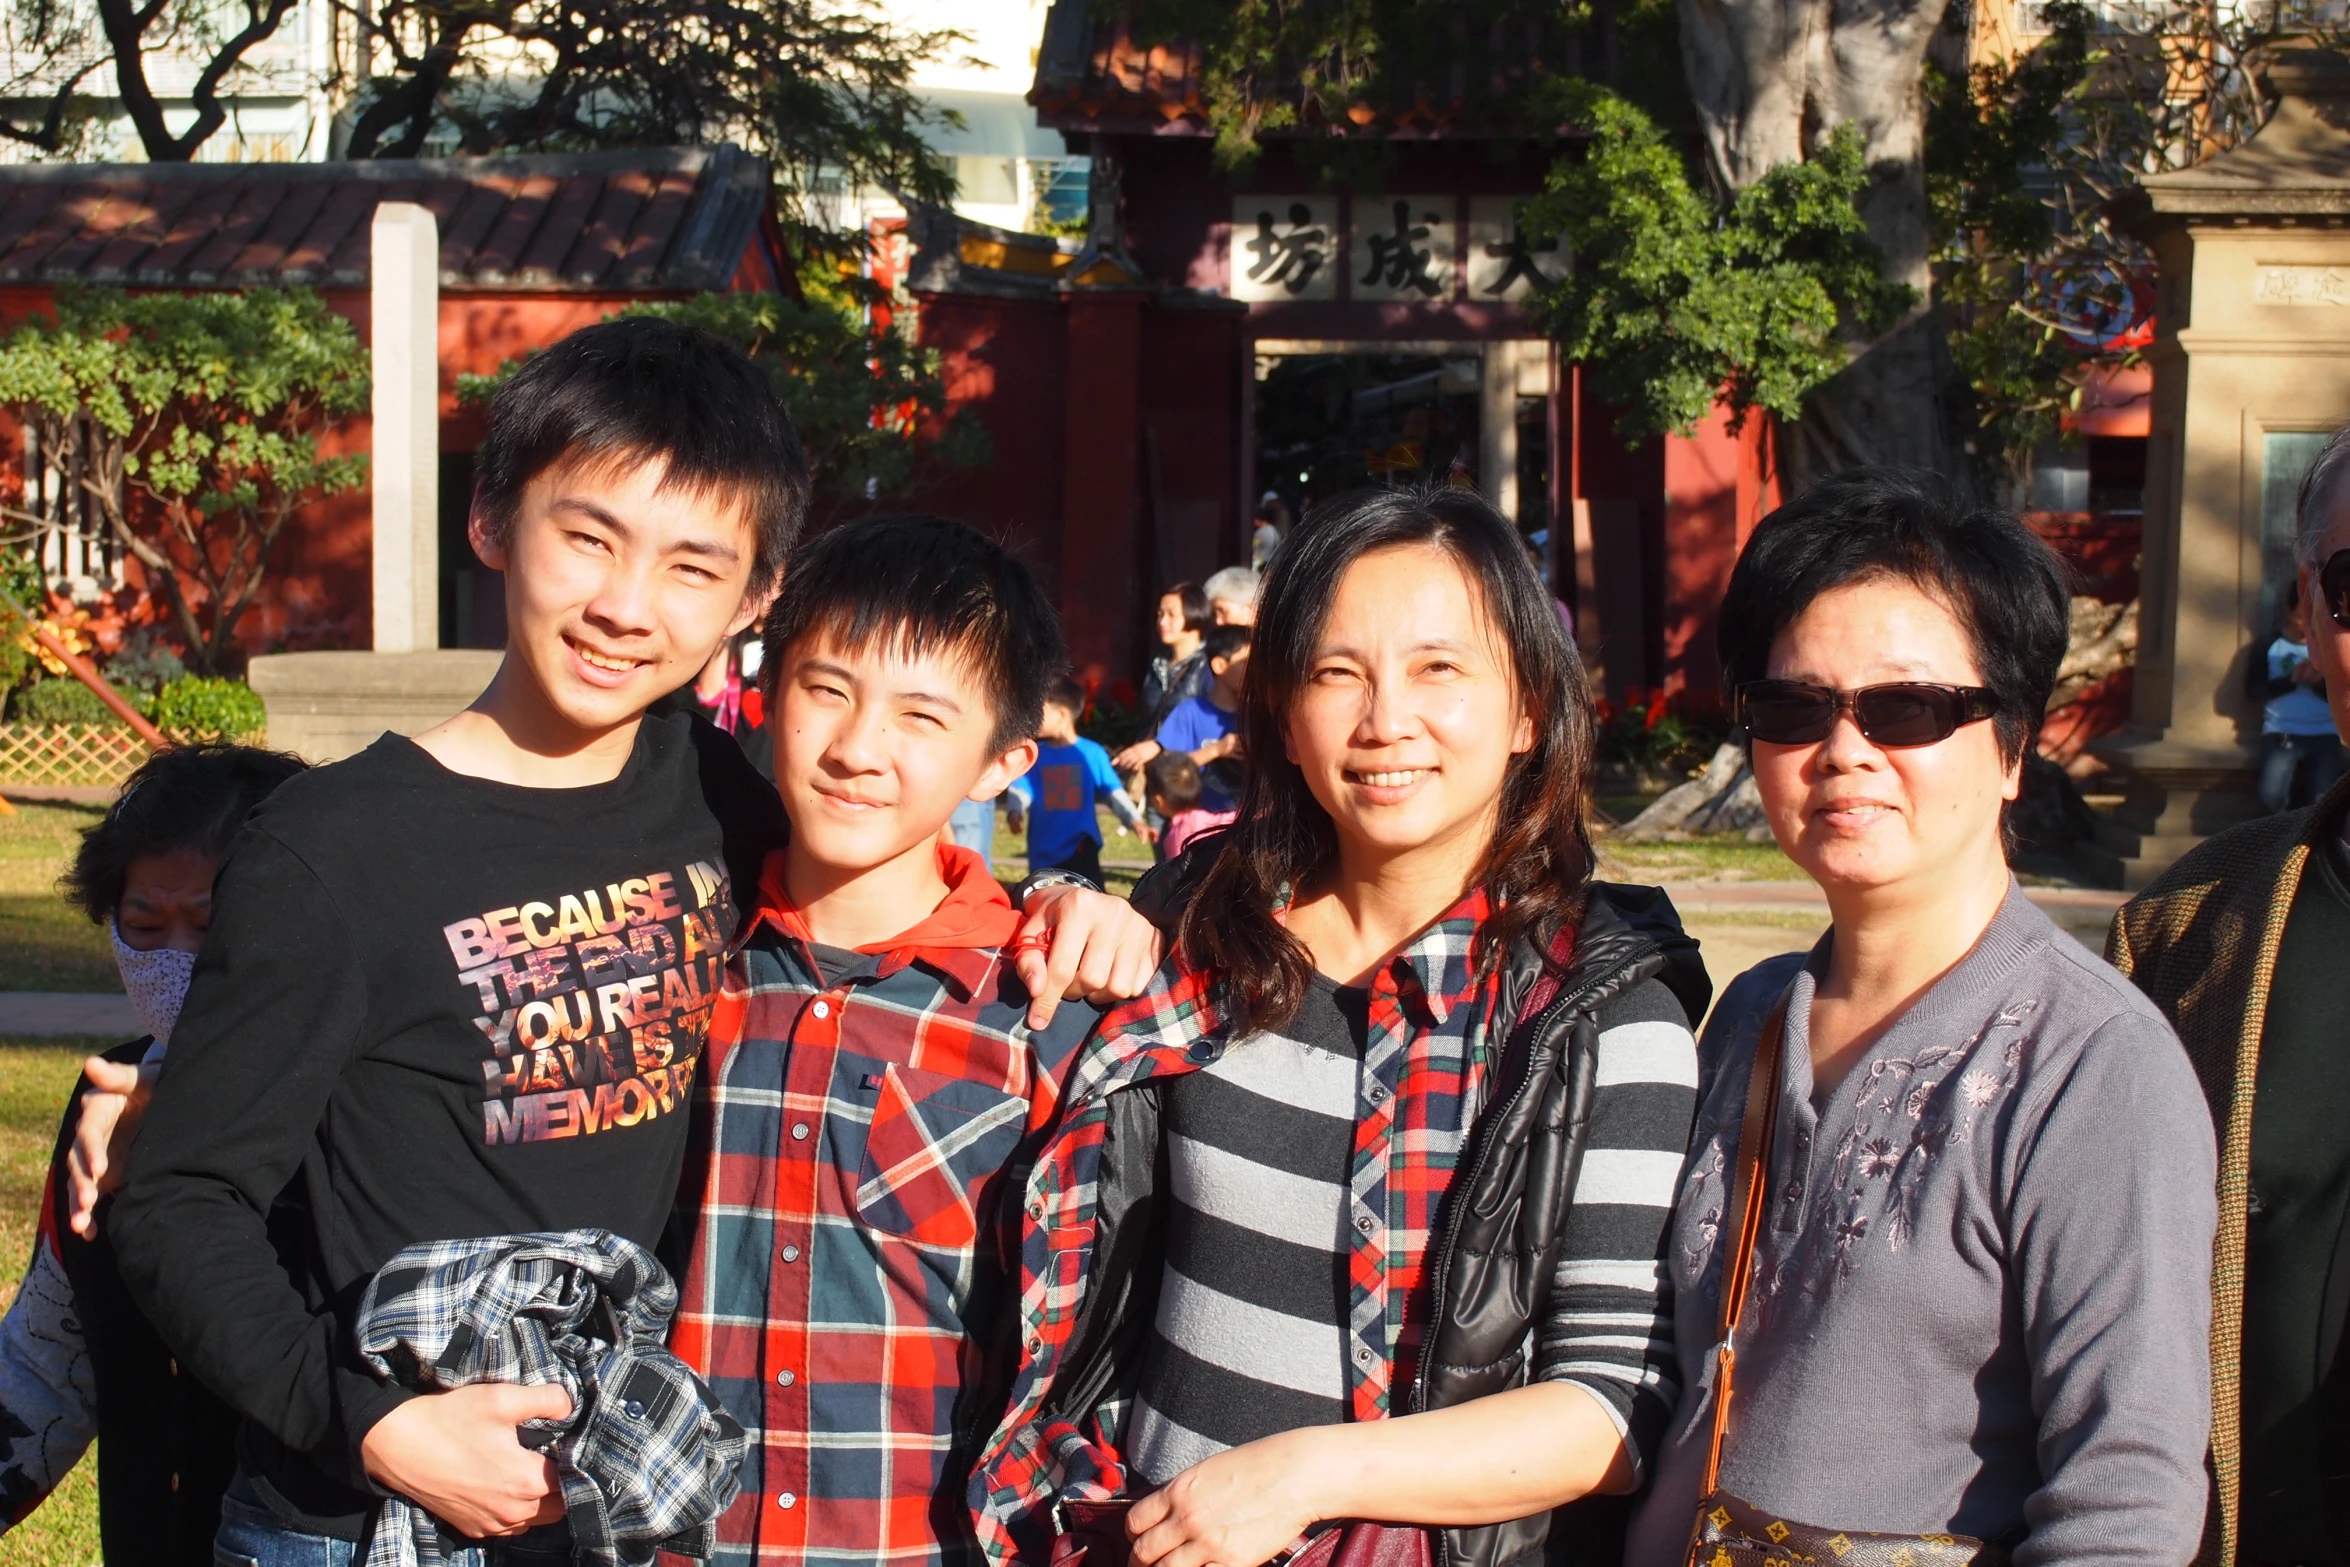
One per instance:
[(42, 1012)]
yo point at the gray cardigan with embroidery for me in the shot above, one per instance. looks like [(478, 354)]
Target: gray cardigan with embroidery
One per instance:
[(1982, 1298)]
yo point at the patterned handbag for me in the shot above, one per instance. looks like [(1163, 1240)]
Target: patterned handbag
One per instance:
[(1727, 1531)]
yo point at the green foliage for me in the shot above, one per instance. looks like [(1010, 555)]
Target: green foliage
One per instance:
[(193, 422), (856, 395), (1676, 298), (194, 708), (144, 662), (2025, 257), (823, 89), (1341, 70), (20, 580), (66, 700)]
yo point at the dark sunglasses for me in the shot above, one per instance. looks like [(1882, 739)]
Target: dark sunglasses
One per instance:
[(1794, 712), (2333, 582)]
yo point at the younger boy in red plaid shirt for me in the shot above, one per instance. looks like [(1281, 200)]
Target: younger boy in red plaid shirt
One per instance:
[(875, 1094)]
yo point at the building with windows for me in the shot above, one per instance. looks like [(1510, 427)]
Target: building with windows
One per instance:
[(282, 99)]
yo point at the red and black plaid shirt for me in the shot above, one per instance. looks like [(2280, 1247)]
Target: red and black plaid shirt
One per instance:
[(858, 1153), (1424, 1074)]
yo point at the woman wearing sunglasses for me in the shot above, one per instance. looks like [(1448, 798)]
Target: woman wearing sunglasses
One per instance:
[(1949, 1202)]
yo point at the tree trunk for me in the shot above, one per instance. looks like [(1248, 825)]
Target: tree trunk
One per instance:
[(1771, 80)]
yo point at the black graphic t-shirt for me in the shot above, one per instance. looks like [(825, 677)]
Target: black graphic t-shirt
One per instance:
[(435, 1007)]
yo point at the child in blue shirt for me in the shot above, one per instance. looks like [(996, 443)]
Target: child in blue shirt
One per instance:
[(2300, 756), (1069, 775), (1207, 728)]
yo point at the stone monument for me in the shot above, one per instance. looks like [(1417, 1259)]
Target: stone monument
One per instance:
[(328, 705), (2251, 365)]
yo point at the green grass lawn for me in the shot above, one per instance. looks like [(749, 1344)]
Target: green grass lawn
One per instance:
[(35, 1077), (1728, 857), (44, 943)]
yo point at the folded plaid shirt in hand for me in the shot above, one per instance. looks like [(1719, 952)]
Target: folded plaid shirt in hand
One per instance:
[(647, 1456)]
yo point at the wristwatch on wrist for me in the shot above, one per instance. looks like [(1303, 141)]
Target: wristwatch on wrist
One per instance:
[(1054, 878)]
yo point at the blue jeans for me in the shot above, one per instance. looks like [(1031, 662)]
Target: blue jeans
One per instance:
[(2313, 762), (252, 1536)]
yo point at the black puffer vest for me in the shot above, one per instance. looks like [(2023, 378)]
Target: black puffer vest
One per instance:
[(1498, 1250)]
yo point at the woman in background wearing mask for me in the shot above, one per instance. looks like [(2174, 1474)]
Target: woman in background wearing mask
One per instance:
[(77, 1360)]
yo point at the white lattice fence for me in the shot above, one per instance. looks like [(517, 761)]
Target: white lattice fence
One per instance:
[(76, 756)]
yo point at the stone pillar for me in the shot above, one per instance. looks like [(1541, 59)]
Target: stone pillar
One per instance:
[(404, 350), (326, 705), (1512, 369), (2251, 365)]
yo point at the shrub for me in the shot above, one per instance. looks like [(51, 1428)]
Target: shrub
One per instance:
[(194, 708), (1660, 735), (145, 662), (66, 701)]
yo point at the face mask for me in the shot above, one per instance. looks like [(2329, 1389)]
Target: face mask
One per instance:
[(157, 983)]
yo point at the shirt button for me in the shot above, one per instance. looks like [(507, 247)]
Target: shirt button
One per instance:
[(791, 1254), (1794, 1190), (1364, 1224), (1378, 1095), (786, 1378), (787, 1501), (635, 1409), (822, 1009), (1363, 1356), (799, 1133)]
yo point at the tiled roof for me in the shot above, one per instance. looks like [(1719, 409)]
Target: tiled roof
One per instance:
[(1099, 72), (655, 219)]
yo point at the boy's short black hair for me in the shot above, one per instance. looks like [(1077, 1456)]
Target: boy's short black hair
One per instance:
[(1174, 778), (1063, 691), (1223, 641), (187, 797), (2004, 584), (639, 389), (924, 584)]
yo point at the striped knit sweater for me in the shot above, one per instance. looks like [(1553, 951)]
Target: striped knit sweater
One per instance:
[(1250, 1335)]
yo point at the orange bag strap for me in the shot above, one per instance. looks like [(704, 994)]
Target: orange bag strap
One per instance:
[(1749, 1183)]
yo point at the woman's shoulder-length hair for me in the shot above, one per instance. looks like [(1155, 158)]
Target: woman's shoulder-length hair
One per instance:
[(1540, 861)]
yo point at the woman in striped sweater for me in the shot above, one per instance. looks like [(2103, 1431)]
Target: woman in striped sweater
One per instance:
[(1358, 1213)]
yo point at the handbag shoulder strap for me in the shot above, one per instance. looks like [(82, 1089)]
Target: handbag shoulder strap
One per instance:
[(1749, 1183)]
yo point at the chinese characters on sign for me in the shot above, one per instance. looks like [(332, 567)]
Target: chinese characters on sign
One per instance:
[(2286, 285), (1285, 247), (1504, 262), (1409, 249)]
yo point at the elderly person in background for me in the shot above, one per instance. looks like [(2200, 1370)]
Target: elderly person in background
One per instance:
[(1975, 1179), (2239, 944), (1232, 596)]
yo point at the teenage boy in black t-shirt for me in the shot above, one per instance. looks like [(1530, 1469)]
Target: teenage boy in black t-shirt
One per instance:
[(458, 986)]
